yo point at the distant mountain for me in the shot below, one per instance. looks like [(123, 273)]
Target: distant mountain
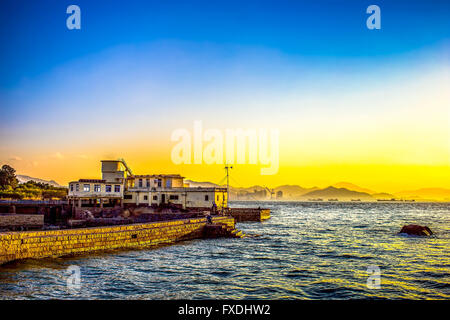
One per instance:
[(24, 179), (383, 196), (352, 187), (337, 193), (196, 184), (293, 192), (340, 191), (439, 194), (250, 193)]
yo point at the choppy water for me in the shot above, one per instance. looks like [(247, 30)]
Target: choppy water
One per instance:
[(306, 250)]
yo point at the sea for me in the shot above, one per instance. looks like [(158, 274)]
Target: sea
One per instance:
[(306, 250)]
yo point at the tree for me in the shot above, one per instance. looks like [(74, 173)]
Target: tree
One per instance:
[(8, 177)]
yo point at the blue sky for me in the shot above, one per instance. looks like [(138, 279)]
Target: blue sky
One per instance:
[(35, 39), (207, 47)]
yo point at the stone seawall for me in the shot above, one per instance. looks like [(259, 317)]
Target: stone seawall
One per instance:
[(55, 243)]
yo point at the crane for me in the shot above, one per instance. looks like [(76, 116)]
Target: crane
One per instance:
[(127, 169), (271, 191)]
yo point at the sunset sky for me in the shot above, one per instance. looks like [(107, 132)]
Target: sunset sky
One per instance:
[(371, 107)]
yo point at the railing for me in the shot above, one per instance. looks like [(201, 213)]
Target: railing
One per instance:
[(164, 189), (94, 194), (33, 202)]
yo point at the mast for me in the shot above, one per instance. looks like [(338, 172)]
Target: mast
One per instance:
[(227, 167)]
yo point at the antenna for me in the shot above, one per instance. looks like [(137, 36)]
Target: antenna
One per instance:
[(227, 168)]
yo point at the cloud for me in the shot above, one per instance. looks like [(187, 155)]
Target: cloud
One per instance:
[(58, 155), (109, 155), (15, 158), (82, 156)]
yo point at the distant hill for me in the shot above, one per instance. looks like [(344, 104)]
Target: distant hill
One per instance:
[(337, 193), (196, 184), (250, 193), (293, 192), (352, 187), (383, 196), (341, 191), (439, 194), (23, 179)]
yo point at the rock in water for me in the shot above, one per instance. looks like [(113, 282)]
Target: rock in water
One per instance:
[(416, 230)]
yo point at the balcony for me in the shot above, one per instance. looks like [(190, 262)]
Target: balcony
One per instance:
[(92, 194)]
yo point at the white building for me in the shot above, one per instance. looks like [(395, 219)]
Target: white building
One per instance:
[(119, 186)]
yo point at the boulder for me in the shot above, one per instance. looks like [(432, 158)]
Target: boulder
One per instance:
[(416, 230), (88, 215), (138, 211), (126, 213)]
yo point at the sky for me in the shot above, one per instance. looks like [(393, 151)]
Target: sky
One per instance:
[(371, 107)]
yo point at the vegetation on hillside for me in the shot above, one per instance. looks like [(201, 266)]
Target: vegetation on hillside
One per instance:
[(10, 188)]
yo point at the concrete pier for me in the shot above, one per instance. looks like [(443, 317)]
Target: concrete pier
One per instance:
[(249, 214)]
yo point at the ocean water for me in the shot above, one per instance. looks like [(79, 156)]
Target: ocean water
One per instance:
[(305, 251)]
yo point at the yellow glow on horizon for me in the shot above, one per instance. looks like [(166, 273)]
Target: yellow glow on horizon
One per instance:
[(388, 137)]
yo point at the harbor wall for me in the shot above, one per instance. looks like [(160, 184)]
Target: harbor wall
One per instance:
[(55, 243), (21, 221), (249, 214)]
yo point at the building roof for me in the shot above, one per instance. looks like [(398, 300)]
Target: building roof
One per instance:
[(157, 176), (91, 180)]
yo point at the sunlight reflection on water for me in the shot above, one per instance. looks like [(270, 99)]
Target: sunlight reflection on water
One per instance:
[(306, 250)]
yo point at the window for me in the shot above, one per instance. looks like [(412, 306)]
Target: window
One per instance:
[(169, 183), (148, 183), (155, 197), (108, 188), (206, 198), (77, 187), (218, 198), (86, 187), (128, 196), (97, 188), (173, 197), (145, 197), (71, 187), (116, 188), (140, 183), (159, 183)]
